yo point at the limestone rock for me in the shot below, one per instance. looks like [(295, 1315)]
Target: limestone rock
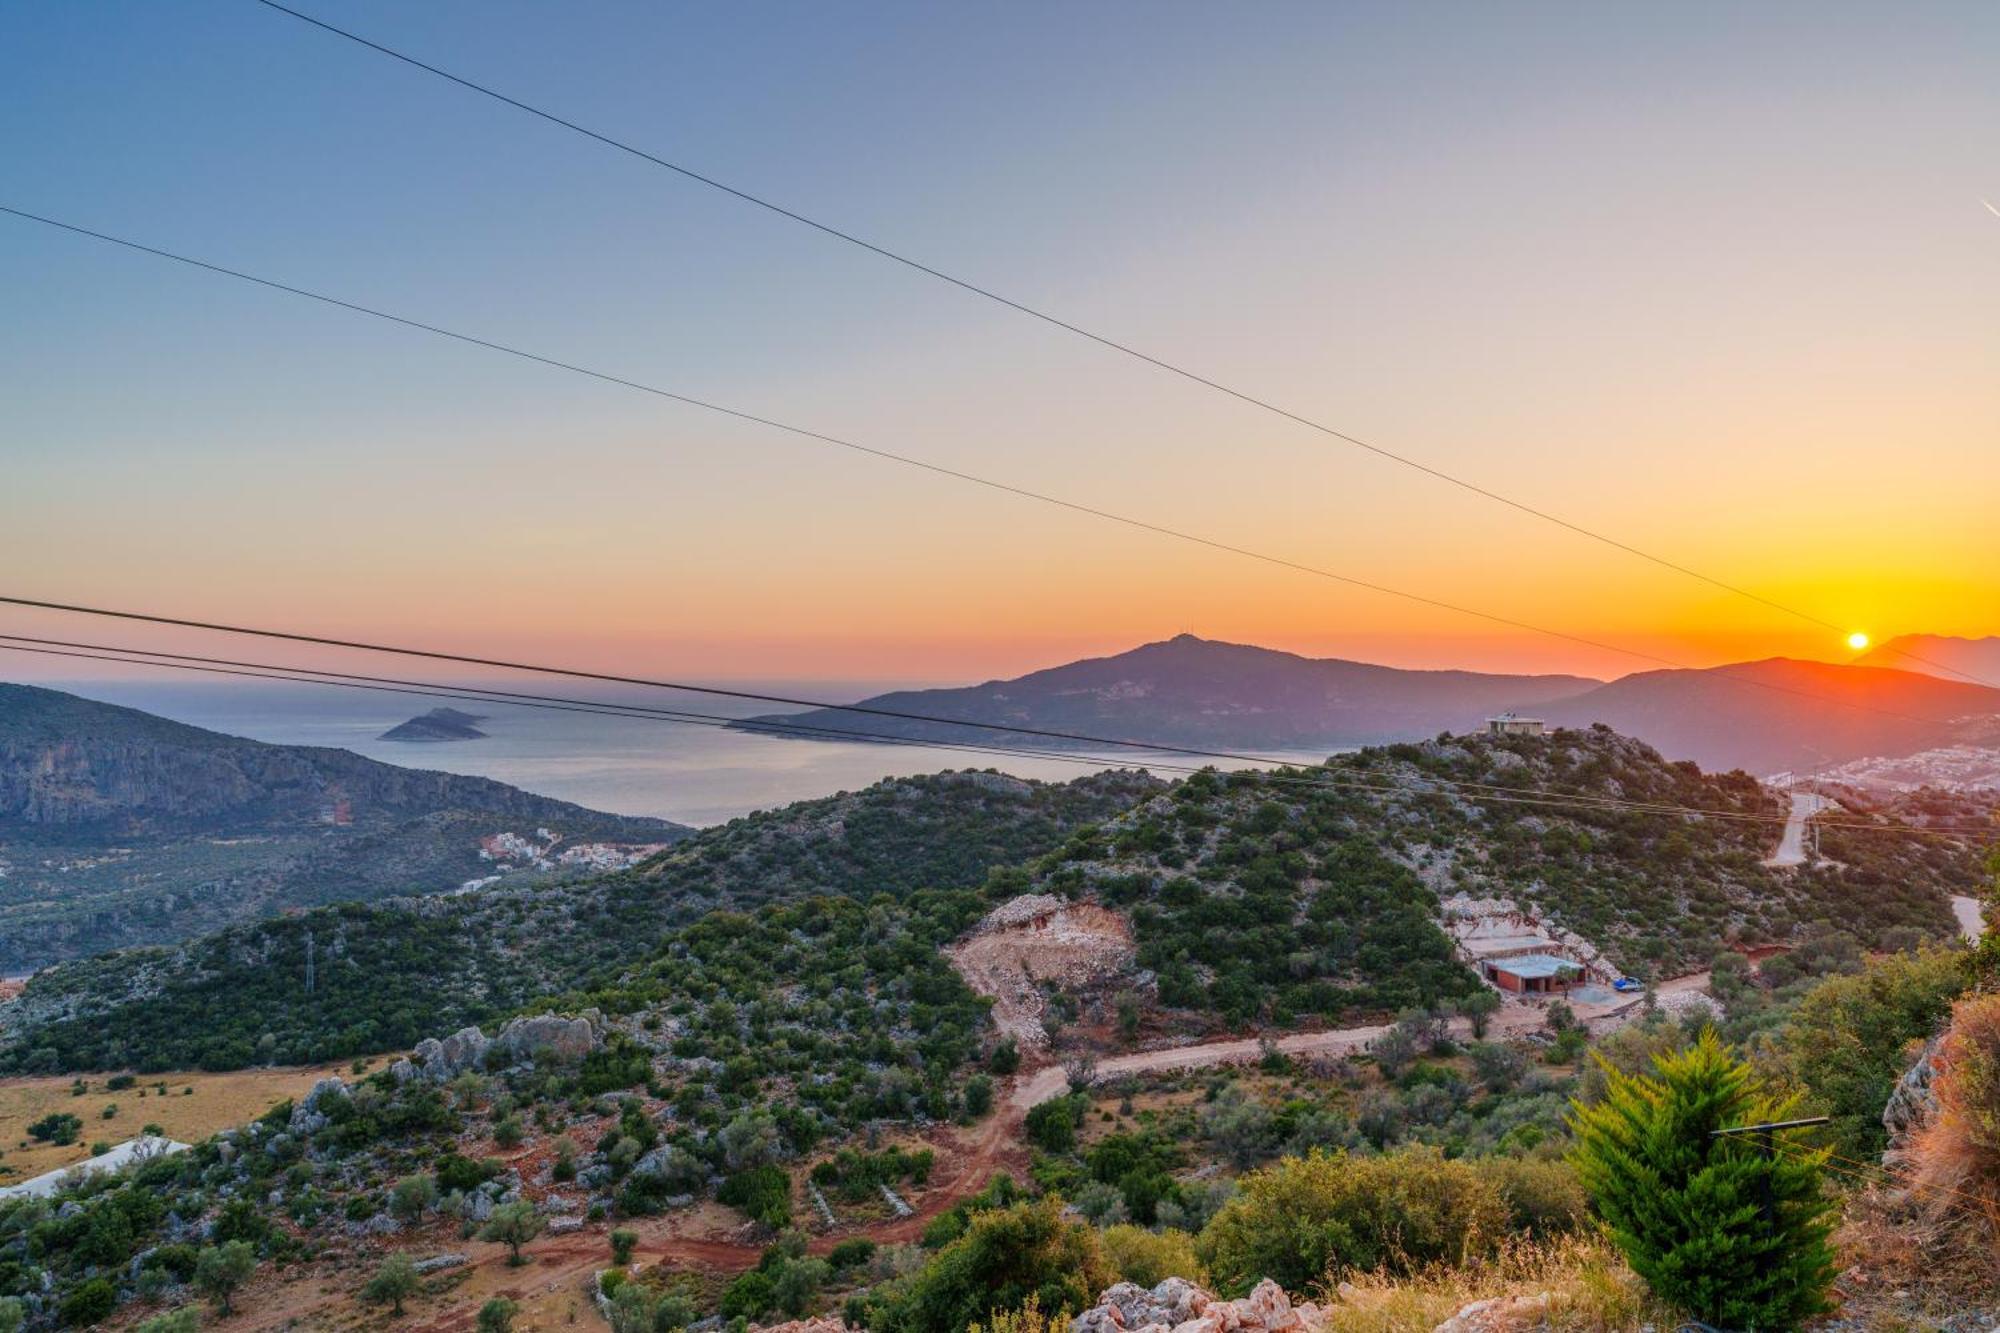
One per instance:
[(1499, 1314), (462, 1052), (307, 1117), (548, 1037), (1178, 1306), (1912, 1101)]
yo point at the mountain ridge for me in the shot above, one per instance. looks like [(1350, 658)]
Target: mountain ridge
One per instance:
[(1774, 714), (1946, 656), (1191, 691), (119, 827)]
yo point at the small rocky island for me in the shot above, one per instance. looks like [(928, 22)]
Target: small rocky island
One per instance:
[(440, 724)]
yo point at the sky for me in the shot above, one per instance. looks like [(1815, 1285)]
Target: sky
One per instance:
[(1716, 280)]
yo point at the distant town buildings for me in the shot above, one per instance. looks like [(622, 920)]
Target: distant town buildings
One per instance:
[(1508, 724)]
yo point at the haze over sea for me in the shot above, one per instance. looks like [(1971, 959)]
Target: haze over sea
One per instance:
[(629, 766)]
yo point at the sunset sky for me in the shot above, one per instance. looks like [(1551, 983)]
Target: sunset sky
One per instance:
[(1717, 280)]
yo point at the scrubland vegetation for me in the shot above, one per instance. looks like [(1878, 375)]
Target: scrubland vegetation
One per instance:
[(791, 1062)]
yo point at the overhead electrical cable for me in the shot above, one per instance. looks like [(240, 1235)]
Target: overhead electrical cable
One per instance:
[(1114, 344), (1148, 758), (1299, 774), (907, 460)]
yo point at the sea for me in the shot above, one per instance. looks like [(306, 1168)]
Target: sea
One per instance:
[(692, 774)]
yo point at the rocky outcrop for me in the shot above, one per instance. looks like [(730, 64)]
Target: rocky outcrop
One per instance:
[(1179, 1306), (1913, 1101), (538, 1038), (309, 1114), (546, 1037), (464, 1051)]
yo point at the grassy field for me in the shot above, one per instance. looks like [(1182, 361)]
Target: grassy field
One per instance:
[(216, 1101)]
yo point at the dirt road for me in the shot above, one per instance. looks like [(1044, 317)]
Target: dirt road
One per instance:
[(1971, 916), (1792, 846)]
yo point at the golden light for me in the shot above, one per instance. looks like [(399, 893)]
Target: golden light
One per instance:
[(1857, 641)]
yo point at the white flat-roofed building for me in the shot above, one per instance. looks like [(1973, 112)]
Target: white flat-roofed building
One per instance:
[(1509, 724)]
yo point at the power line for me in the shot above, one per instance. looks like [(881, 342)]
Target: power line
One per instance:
[(1008, 488), (1102, 340), (483, 694), (1319, 777)]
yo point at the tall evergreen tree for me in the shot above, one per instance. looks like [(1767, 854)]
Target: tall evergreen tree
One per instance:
[(1731, 1229)]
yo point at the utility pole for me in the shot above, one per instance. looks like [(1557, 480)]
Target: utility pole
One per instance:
[(1767, 1148)]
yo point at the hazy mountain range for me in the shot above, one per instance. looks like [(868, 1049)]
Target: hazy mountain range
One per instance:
[(1762, 716), (1198, 692), (1975, 661)]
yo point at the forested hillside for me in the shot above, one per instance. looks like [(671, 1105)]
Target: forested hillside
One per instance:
[(1308, 894), (120, 828), (1269, 898), (384, 975)]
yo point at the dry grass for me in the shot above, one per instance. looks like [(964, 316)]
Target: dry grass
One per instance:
[(1587, 1285), (218, 1101), (1906, 1268), (1952, 1164)]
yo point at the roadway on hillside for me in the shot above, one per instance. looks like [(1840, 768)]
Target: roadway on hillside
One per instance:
[(1792, 846), (1971, 916)]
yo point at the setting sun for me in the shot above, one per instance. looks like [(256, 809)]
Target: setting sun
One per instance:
[(1857, 641)]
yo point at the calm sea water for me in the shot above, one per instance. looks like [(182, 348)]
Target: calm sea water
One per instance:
[(694, 774)]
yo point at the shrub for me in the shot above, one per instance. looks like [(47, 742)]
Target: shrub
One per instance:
[(1148, 1257), (1006, 1258), (1543, 1198), (852, 1253), (394, 1282), (1028, 1319), (91, 1303), (1052, 1124), (1304, 1219), (461, 1175), (622, 1244), (1734, 1237), (1844, 1042), (57, 1127), (241, 1219), (763, 1193), (497, 1315), (748, 1296)]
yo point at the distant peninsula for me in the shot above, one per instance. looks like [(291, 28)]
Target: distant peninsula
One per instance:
[(440, 724)]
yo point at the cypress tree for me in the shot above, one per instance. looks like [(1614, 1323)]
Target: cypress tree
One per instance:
[(1734, 1234)]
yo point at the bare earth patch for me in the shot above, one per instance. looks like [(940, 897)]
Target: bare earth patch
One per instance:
[(1036, 938)]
